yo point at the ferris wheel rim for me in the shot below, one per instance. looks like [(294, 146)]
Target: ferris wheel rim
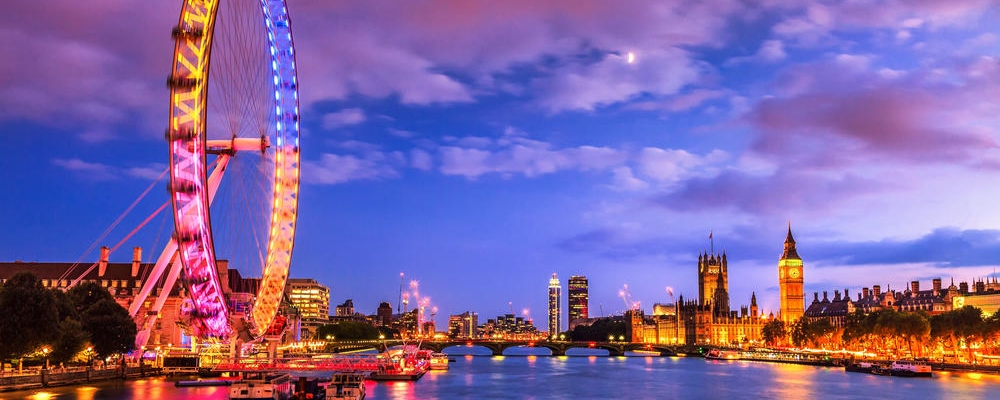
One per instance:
[(189, 176)]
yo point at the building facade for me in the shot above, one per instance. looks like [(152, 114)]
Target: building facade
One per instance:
[(579, 298), (555, 301), (312, 299), (790, 282), (463, 326)]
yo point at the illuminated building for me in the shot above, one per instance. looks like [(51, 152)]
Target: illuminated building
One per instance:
[(346, 309), (555, 300), (383, 316), (463, 326), (578, 298), (790, 281), (713, 282), (312, 299)]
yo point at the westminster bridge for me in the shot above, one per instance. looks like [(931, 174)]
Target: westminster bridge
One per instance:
[(497, 347)]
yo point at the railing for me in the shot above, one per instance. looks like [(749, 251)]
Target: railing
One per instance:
[(367, 362)]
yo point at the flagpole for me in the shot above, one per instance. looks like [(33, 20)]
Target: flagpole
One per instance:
[(711, 239)]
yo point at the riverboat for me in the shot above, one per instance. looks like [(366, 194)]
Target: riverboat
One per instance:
[(864, 367), (718, 354), (910, 368), (260, 386), (346, 386), (439, 361)]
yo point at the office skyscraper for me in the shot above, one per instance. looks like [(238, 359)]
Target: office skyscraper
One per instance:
[(555, 300), (578, 298)]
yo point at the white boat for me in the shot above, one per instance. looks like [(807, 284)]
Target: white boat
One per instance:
[(910, 368), (259, 386), (439, 361), (346, 386)]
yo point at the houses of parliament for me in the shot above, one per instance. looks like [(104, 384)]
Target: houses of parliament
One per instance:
[(710, 319)]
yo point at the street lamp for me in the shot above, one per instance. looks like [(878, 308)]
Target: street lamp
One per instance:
[(45, 351)]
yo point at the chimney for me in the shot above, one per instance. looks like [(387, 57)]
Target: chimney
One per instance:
[(102, 264), (836, 295), (136, 259), (864, 292), (846, 295), (963, 287), (877, 290), (815, 297), (914, 288), (937, 285), (825, 299)]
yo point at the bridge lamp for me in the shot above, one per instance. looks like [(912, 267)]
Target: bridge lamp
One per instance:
[(611, 338), (562, 336), (621, 338)]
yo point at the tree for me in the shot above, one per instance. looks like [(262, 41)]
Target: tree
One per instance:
[(111, 329), (29, 317), (347, 331), (599, 331), (72, 338), (773, 332), (86, 294)]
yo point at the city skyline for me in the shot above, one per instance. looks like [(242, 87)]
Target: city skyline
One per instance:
[(480, 148)]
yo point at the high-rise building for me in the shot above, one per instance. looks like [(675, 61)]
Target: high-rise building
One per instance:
[(578, 298), (555, 301), (346, 309), (463, 326), (383, 316), (312, 299), (790, 281)]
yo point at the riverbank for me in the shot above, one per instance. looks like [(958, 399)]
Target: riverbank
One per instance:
[(12, 381), (829, 360)]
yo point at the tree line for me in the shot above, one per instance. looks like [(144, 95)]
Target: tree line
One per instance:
[(894, 332), (39, 324)]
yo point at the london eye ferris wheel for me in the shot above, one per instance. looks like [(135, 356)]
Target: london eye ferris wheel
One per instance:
[(234, 154)]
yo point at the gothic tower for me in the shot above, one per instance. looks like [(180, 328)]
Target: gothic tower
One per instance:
[(713, 282), (790, 281)]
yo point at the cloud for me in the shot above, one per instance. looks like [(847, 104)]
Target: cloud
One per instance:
[(670, 165), (104, 172), (858, 115), (772, 194), (522, 156), (347, 116), (333, 169), (421, 160), (943, 247), (680, 102), (770, 51), (625, 180), (613, 79)]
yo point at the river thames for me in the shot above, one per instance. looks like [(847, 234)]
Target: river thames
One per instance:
[(596, 377)]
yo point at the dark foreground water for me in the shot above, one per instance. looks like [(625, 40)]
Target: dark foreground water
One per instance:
[(543, 377)]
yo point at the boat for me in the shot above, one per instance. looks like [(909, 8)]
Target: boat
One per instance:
[(910, 368), (864, 366), (439, 361), (346, 386), (261, 386), (406, 363), (719, 354)]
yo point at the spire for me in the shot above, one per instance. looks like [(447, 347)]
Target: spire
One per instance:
[(753, 298), (790, 252)]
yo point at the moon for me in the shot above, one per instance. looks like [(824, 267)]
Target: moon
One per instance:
[(631, 57)]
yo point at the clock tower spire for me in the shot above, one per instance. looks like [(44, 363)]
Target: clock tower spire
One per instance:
[(790, 281)]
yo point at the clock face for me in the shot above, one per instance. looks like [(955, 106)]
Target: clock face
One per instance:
[(793, 273)]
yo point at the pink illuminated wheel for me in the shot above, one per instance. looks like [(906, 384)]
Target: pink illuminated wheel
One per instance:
[(234, 157)]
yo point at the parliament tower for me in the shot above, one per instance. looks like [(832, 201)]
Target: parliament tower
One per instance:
[(790, 281), (713, 282)]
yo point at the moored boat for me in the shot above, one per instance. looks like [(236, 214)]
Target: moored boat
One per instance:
[(719, 354), (439, 361), (910, 368), (863, 366), (260, 386), (346, 386)]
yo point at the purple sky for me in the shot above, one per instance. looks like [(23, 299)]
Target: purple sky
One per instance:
[(481, 146)]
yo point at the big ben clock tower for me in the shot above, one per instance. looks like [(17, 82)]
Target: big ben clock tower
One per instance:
[(790, 281)]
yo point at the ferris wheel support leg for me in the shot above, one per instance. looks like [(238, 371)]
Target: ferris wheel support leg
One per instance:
[(168, 254), (142, 337)]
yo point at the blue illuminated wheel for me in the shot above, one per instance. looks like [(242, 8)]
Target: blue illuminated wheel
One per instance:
[(233, 111)]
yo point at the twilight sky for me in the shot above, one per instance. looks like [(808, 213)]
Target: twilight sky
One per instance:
[(478, 147)]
